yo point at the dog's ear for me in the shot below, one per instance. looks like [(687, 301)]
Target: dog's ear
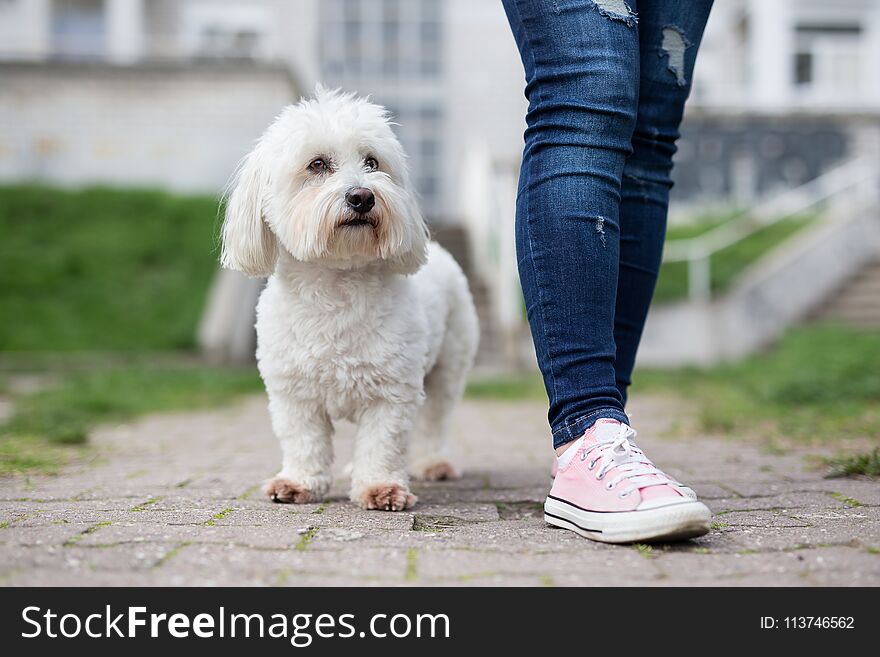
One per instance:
[(248, 243)]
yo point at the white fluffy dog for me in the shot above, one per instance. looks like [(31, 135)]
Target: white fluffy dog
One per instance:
[(362, 317)]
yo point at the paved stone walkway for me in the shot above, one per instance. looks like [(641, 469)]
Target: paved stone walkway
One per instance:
[(174, 500)]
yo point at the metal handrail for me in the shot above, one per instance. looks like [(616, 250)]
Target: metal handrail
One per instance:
[(698, 251)]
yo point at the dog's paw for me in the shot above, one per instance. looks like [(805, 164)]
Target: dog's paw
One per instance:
[(386, 497), (285, 491), (438, 471)]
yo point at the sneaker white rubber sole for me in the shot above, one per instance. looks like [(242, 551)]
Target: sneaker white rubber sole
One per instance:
[(674, 522)]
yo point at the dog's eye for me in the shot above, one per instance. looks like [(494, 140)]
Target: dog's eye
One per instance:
[(371, 163), (318, 165)]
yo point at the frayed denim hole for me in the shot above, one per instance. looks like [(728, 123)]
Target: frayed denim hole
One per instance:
[(600, 229), (673, 47), (616, 10)]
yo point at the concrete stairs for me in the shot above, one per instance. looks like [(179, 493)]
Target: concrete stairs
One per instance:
[(454, 238), (857, 302), (828, 271)]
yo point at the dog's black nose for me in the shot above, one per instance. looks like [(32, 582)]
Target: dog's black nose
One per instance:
[(360, 199)]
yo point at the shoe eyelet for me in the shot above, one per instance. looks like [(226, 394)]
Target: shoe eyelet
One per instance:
[(583, 456), (600, 476), (623, 494), (609, 486), (592, 465)]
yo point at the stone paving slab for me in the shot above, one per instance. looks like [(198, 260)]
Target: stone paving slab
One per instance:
[(174, 500)]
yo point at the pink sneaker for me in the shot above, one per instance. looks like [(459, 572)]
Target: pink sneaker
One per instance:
[(687, 492), (607, 490)]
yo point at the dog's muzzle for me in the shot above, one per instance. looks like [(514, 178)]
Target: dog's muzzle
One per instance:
[(358, 220)]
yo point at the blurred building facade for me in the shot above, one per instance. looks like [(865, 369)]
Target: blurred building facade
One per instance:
[(172, 92), (791, 54), (783, 91), (450, 74), (447, 69)]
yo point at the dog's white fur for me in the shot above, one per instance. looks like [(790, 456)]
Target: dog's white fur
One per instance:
[(368, 322)]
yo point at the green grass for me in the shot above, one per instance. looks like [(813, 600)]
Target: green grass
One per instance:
[(46, 421), (103, 269), (101, 291), (728, 263), (64, 413), (819, 384), (854, 465), (511, 388), (32, 454)]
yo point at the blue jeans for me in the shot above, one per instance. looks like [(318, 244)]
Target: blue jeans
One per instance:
[(606, 82)]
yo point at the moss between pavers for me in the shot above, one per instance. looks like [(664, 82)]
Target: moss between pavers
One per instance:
[(306, 538), (849, 502), (25, 516), (165, 558), (412, 562), (250, 491), (218, 516), (144, 505), (645, 550), (73, 540), (773, 509)]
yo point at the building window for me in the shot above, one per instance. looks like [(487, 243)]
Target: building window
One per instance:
[(803, 68), (419, 128), (828, 62), (234, 31), (390, 39), (78, 29), (393, 49), (217, 42)]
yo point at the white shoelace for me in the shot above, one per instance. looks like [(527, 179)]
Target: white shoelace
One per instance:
[(630, 461)]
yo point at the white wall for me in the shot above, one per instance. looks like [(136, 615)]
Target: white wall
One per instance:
[(24, 28), (485, 83), (183, 129)]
